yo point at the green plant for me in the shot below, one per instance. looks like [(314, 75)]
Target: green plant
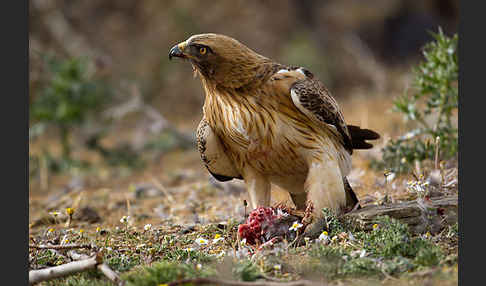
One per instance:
[(91, 277), (247, 271), (69, 94), (164, 272), (122, 263), (388, 248), (332, 223), (391, 239), (430, 109)]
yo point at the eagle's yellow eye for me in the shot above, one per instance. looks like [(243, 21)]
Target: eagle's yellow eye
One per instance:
[(202, 50)]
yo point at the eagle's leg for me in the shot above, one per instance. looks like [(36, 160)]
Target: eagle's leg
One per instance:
[(258, 188), (325, 189)]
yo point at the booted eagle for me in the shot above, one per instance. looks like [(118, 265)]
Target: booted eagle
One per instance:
[(268, 123)]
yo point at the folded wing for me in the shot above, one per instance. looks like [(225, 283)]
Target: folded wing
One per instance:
[(312, 98), (213, 154)]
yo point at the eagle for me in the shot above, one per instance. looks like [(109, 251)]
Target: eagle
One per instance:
[(269, 123)]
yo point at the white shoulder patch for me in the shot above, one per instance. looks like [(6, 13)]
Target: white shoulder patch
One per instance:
[(296, 100), (283, 71), (301, 71), (295, 97)]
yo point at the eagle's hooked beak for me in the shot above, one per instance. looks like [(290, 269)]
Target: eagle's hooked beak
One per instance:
[(177, 51)]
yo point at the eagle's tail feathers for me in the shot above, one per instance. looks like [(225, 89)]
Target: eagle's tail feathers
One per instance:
[(359, 137)]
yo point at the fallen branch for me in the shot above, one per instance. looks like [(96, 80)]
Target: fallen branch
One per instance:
[(420, 216), (103, 267), (36, 276), (214, 281), (65, 246), (82, 262), (110, 274)]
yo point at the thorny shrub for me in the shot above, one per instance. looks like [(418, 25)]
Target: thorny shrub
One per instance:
[(430, 109)]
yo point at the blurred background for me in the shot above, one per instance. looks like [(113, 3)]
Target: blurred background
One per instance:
[(110, 115)]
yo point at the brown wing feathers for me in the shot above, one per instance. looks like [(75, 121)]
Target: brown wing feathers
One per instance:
[(314, 97)]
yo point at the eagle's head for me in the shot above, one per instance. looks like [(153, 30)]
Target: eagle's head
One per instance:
[(220, 59)]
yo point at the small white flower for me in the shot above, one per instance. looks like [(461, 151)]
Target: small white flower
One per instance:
[(217, 238), (362, 253), (427, 235), (243, 241), (409, 135), (324, 236), (295, 226), (189, 249), (390, 176), (306, 239), (201, 241), (55, 213), (147, 227), (198, 266), (124, 219), (419, 187), (277, 267)]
